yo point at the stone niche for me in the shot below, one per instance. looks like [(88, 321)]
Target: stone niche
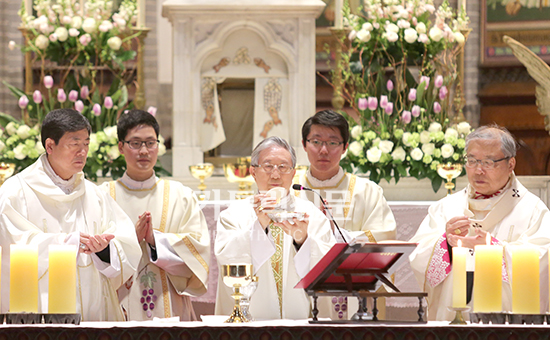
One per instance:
[(270, 43)]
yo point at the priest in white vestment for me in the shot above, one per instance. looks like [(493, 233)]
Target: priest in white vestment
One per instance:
[(51, 202), (494, 203), (169, 225), (357, 204), (282, 253)]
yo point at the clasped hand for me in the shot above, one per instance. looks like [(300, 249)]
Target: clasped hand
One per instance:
[(457, 229)]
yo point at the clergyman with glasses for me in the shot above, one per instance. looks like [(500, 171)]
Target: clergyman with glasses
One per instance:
[(281, 235), (494, 205), (169, 225), (356, 203)]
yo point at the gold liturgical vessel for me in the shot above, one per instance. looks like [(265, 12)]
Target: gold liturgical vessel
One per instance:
[(237, 276), (449, 171), (201, 172), (239, 172)]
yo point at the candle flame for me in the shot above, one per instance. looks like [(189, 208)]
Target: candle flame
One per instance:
[(488, 239), (459, 243)]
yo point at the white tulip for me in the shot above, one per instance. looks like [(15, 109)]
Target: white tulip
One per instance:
[(374, 154), (356, 132), (428, 148), (399, 154), (447, 150), (62, 33), (417, 154), (386, 146)]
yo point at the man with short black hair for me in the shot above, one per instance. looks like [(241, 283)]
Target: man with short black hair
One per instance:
[(169, 225), (51, 202)]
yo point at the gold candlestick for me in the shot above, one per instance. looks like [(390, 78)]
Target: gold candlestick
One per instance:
[(201, 172), (460, 98), (237, 276), (449, 171)]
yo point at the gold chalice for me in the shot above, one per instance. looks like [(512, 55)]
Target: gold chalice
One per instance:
[(240, 173), (201, 172), (449, 171), (237, 276), (6, 170)]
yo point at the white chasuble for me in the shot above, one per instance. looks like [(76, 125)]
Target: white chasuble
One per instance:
[(161, 287), (515, 217), (37, 212), (241, 239), (357, 204)]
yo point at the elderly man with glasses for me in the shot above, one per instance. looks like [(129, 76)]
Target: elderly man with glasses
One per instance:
[(282, 236), (495, 206)]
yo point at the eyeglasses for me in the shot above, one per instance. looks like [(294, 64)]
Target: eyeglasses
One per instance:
[(137, 144), (486, 164), (331, 145), (269, 168)]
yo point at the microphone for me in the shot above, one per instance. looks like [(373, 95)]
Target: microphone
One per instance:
[(300, 188)]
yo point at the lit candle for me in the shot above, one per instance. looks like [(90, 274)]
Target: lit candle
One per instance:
[(28, 6), (488, 278), (459, 276), (141, 13), (23, 278), (525, 280), (62, 279), (338, 20), (81, 8)]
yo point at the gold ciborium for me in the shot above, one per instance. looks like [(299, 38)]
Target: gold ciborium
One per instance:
[(449, 171), (237, 276), (240, 173), (201, 172), (6, 170)]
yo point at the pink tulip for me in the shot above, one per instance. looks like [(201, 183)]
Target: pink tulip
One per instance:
[(388, 108), (437, 107), (108, 103), (389, 85), (438, 81), (406, 117), (383, 101), (412, 95), (443, 92), (48, 82), (79, 106), (362, 103), (84, 92), (61, 96), (37, 97), (425, 80), (96, 109), (415, 111), (73, 95), (372, 103), (23, 102), (152, 110)]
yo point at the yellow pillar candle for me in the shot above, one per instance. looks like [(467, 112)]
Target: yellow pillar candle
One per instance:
[(488, 279), (23, 278), (459, 276), (525, 280), (62, 279)]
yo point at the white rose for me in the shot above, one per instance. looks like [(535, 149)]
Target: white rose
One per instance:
[(451, 133), (374, 154), (367, 26), (18, 151), (405, 138), (62, 33), (42, 42), (76, 22), (392, 36), (23, 131), (356, 148), (436, 34), (111, 132), (2, 146), (425, 137), (417, 154), (11, 128), (114, 43), (113, 152), (39, 147), (463, 128), (447, 150), (89, 25), (105, 26), (403, 23), (428, 148), (386, 146), (363, 35), (119, 21), (410, 35), (162, 150), (392, 28), (435, 127), (399, 154), (356, 132), (421, 28), (73, 32)]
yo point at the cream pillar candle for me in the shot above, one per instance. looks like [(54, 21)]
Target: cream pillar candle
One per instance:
[(462, 5), (488, 278), (23, 278), (62, 279), (338, 18), (525, 280), (141, 8), (28, 6), (459, 276)]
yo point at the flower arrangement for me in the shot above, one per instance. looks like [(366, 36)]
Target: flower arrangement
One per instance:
[(399, 73)]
